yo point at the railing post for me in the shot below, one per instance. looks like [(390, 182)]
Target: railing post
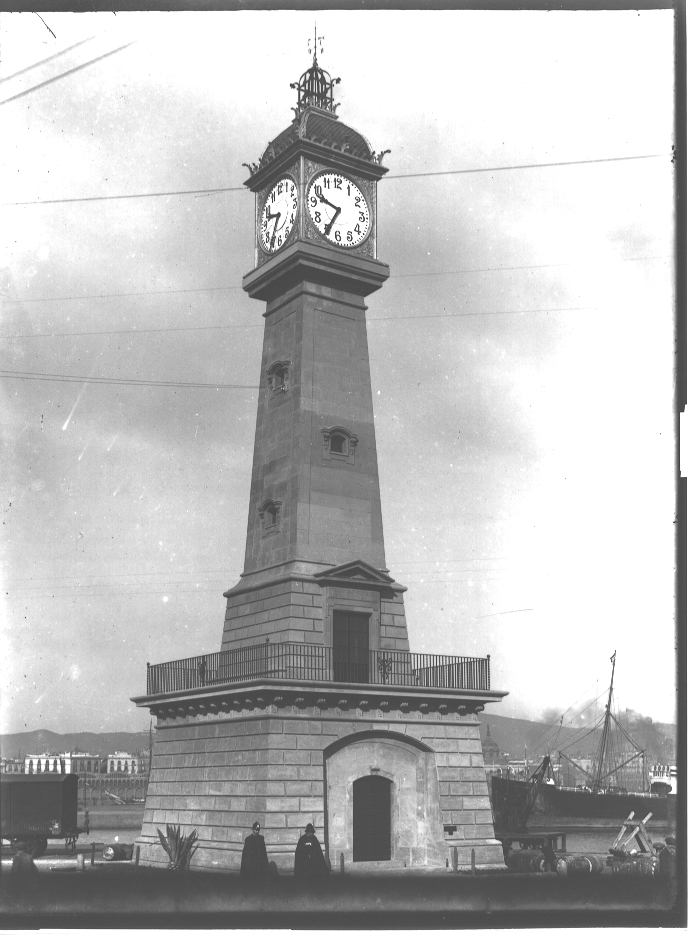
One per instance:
[(149, 689)]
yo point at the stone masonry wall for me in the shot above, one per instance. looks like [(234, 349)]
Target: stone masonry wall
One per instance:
[(288, 611), (218, 774), (297, 610)]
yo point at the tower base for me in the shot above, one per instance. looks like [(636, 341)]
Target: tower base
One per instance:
[(386, 775)]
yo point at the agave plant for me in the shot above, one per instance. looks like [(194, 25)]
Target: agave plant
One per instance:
[(178, 847)]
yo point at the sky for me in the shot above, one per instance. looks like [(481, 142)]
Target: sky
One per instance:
[(521, 352)]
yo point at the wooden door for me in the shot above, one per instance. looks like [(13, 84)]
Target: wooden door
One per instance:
[(371, 819), (351, 646)]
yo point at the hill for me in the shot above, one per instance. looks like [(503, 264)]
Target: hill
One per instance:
[(518, 737), (96, 743), (514, 736)]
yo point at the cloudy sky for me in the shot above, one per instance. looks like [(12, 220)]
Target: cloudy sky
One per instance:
[(521, 352)]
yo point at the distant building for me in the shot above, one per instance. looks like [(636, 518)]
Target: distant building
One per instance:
[(124, 763), (12, 765), (491, 750), (62, 763)]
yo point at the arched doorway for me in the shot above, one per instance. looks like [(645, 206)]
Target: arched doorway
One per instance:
[(371, 819)]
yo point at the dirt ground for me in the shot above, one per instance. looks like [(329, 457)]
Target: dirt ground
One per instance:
[(119, 895)]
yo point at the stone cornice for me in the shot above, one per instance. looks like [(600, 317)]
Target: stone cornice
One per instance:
[(242, 587), (305, 260), (259, 693)]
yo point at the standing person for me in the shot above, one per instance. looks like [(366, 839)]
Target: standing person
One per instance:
[(308, 856), (254, 858)]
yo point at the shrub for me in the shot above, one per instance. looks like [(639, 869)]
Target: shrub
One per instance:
[(178, 847)]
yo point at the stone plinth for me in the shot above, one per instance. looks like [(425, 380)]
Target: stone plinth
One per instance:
[(288, 755)]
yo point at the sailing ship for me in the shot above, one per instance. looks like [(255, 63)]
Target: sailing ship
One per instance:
[(541, 801)]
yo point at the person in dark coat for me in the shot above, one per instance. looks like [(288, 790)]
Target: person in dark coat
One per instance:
[(308, 856), (254, 858)]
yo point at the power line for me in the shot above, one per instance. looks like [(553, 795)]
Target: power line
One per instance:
[(165, 583), (569, 162), (243, 188), (50, 81), (110, 198), (65, 378), (188, 328), (60, 299), (226, 572), (394, 276), (73, 595), (199, 328)]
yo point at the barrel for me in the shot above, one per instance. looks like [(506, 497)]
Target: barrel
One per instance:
[(525, 860), (577, 865), (636, 865), (118, 852)]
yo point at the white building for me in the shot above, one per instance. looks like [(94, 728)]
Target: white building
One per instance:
[(123, 763), (12, 765), (62, 763)]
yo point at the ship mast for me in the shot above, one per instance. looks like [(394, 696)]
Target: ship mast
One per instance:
[(603, 745)]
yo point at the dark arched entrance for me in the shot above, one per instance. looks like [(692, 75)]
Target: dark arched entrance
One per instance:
[(371, 819)]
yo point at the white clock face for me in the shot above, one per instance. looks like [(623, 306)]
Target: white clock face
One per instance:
[(338, 209), (279, 214)]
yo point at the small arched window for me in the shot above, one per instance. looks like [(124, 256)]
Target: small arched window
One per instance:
[(278, 376), (269, 513), (338, 443)]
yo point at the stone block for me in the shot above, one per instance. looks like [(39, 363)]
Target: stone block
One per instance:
[(310, 742), (298, 821), (310, 772), (462, 787), (299, 757), (463, 817), (300, 788), (458, 760), (284, 804), (285, 772), (309, 804), (277, 741)]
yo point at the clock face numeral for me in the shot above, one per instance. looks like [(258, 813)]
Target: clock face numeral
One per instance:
[(279, 214), (338, 209)]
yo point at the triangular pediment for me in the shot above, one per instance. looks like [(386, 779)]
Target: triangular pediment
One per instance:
[(356, 571)]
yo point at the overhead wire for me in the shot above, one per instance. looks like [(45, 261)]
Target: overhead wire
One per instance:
[(70, 379), (260, 325), (394, 276), (226, 572), (242, 188)]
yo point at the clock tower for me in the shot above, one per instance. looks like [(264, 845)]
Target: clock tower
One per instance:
[(315, 710), (315, 510)]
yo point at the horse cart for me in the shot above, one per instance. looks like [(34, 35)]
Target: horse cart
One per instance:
[(37, 807)]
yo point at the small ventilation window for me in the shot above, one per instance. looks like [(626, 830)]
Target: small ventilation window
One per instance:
[(269, 513), (339, 444), (278, 376)]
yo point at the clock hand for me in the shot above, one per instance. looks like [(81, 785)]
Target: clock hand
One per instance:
[(276, 216), (323, 199), (328, 227)]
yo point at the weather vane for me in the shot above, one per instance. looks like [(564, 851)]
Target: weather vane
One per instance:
[(317, 40)]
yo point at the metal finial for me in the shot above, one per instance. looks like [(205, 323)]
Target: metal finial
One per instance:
[(318, 40)]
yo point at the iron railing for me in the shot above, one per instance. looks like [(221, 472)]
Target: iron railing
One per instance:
[(318, 663)]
